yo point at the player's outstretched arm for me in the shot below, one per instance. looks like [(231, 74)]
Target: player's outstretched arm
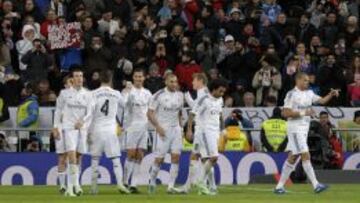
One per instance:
[(328, 97)]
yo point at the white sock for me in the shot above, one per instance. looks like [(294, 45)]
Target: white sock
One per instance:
[(74, 175), (153, 173), (136, 174), (309, 170), (285, 174), (62, 178), (117, 168), (94, 170), (205, 171), (192, 172), (211, 179), (174, 170), (128, 170)]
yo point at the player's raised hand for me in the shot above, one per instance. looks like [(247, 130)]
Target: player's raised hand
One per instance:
[(334, 92), (55, 133)]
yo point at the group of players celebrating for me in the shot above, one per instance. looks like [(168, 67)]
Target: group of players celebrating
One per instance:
[(87, 121)]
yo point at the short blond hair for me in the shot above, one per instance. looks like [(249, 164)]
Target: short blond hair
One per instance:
[(201, 76)]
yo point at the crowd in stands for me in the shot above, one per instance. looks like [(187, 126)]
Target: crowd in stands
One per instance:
[(257, 45)]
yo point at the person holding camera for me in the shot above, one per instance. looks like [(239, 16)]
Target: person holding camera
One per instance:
[(4, 145), (267, 81), (38, 62)]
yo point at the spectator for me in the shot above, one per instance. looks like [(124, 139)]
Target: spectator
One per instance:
[(46, 96), (51, 19), (4, 145), (228, 102), (4, 110), (30, 9), (5, 57), (249, 99), (120, 9), (213, 74), (270, 101), (140, 53), (233, 27), (353, 91), (206, 53), (274, 132), (28, 109), (351, 30), (11, 89), (97, 56), (313, 84), (94, 81), (154, 80), (238, 93), (161, 58), (226, 49), (305, 30), (234, 137), (33, 145), (271, 10), (26, 44), (107, 25), (186, 69), (335, 156), (331, 76), (38, 62), (330, 30), (317, 13), (88, 31), (122, 73), (267, 81)]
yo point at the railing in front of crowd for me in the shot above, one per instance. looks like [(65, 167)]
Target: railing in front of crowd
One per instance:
[(18, 137)]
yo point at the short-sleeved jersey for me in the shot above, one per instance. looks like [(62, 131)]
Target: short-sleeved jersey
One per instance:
[(208, 110), (136, 106), (298, 100), (199, 94), (167, 106), (72, 106), (109, 105)]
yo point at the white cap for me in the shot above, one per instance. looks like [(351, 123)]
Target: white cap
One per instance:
[(229, 38), (234, 10)]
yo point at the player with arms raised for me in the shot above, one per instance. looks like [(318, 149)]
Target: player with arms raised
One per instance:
[(137, 100), (165, 115), (73, 116), (109, 105), (298, 111), (208, 114)]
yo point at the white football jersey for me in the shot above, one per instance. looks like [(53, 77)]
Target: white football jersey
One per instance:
[(298, 100), (136, 106), (109, 105), (199, 94), (207, 112), (167, 105), (73, 106)]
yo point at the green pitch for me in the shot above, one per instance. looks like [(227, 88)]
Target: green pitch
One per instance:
[(227, 194)]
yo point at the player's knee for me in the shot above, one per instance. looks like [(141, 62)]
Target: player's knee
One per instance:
[(175, 158), (305, 156), (72, 157), (292, 159), (194, 156), (213, 160), (159, 161)]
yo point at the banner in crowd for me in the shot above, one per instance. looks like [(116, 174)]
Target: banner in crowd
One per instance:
[(232, 168), (255, 115), (65, 35)]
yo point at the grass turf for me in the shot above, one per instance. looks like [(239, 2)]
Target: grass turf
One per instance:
[(227, 194)]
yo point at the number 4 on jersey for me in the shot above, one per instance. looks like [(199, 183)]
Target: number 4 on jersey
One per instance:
[(105, 108)]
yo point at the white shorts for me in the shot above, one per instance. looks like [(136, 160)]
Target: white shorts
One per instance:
[(60, 144), (136, 139), (297, 142), (208, 143), (106, 142), (75, 140), (171, 143)]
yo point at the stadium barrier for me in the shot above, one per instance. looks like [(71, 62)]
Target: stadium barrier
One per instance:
[(232, 168)]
